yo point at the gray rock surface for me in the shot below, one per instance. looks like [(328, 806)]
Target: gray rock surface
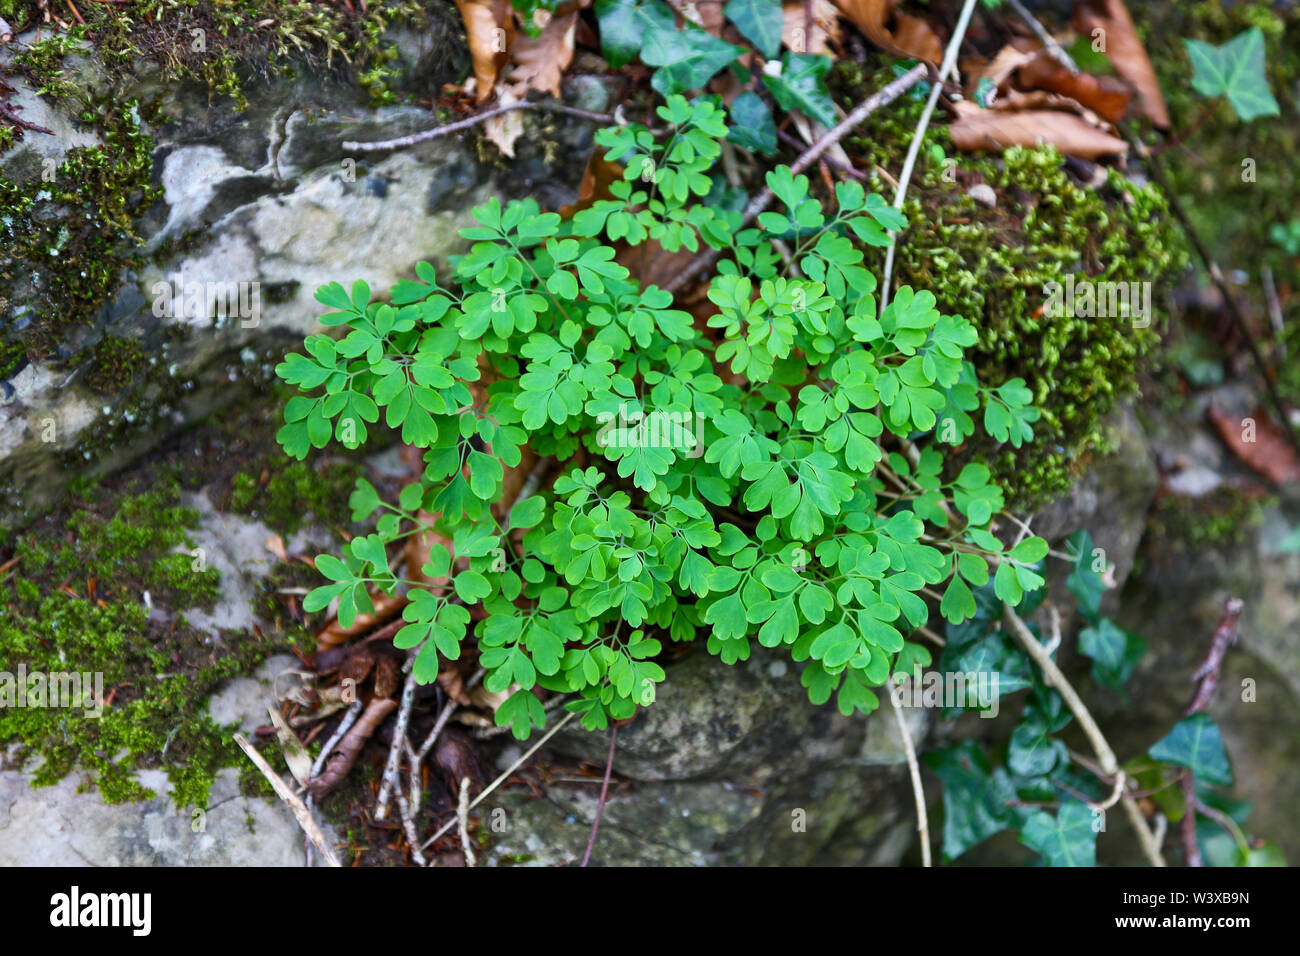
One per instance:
[(61, 825)]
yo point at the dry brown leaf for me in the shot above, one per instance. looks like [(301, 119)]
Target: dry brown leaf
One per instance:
[(898, 33), (386, 608), (708, 15), (999, 69), (1258, 443), (453, 685), (275, 544), (489, 27), (794, 30), (1125, 50), (1106, 96), (978, 130), (505, 128), (540, 63)]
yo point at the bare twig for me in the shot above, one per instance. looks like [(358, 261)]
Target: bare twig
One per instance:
[(549, 106), (408, 825), (604, 793), (1274, 312), (504, 776), (462, 817), (1106, 756), (918, 792), (914, 149), (1225, 635), (1191, 849), (1217, 276), (294, 802), (394, 763), (882, 97), (1048, 41)]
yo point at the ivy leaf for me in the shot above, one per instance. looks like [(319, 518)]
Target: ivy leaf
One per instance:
[(1196, 743), (688, 58), (1067, 839), (759, 21), (625, 23), (752, 126), (1235, 69), (1114, 652), (1032, 752), (976, 798), (801, 85)]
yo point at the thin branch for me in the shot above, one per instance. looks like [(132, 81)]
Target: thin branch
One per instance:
[(390, 781), (604, 793), (504, 776), (918, 793), (1217, 276), (882, 97), (914, 148), (1106, 756), (549, 106), (294, 802), (1055, 49), (462, 817), (1191, 848)]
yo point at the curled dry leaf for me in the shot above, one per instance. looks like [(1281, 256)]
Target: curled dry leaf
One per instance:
[(978, 130), (795, 33), (505, 128), (343, 756), (489, 27), (1258, 443), (1125, 50), (275, 544), (540, 63), (901, 34), (1104, 95), (386, 608), (295, 754)]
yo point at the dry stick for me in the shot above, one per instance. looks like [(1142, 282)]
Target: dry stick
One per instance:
[(914, 149), (345, 725), (1099, 745), (1274, 312), (1055, 49), (444, 717), (604, 792), (462, 817), (918, 793), (549, 106), (408, 825), (882, 97), (1207, 676), (501, 779), (300, 811), (390, 780), (1216, 274)]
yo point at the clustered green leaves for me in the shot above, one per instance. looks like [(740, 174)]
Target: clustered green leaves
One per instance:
[(777, 475), (1030, 783)]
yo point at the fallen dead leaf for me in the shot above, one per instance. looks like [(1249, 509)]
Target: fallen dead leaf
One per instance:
[(795, 33), (1106, 96), (901, 34), (1258, 443), (540, 63), (979, 130), (1125, 51), (506, 128), (295, 754), (489, 27), (275, 544)]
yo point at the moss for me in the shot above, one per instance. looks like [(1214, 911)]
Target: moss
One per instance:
[(991, 265), (115, 364), (1222, 517), (74, 602), (67, 241), (222, 43), (286, 492)]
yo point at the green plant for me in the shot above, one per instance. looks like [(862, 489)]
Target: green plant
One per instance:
[(1032, 783), (1234, 70), (775, 472)]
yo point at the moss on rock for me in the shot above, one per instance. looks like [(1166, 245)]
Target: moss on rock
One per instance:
[(74, 601), (992, 265)]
